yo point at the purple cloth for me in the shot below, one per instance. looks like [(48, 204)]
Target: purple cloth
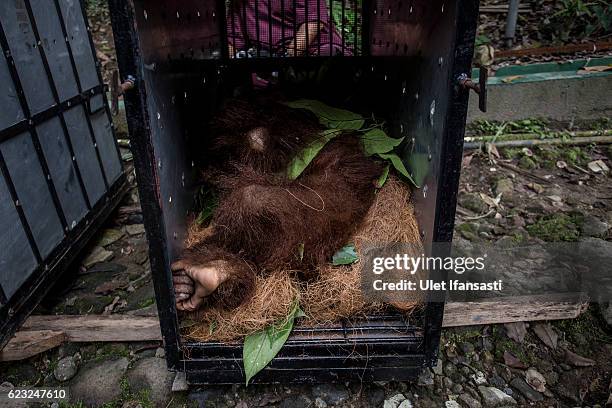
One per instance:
[(249, 24)]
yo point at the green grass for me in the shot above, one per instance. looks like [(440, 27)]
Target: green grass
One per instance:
[(558, 227)]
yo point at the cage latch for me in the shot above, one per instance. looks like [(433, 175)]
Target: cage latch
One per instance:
[(480, 88), (119, 88)]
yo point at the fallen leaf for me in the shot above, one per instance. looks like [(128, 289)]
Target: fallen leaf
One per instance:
[(598, 166), (527, 152), (330, 117), (596, 68), (307, 155), (492, 150), (377, 141), (467, 160), (511, 78), (535, 380), (578, 361), (345, 256), (109, 309), (261, 347), (538, 188), (512, 361), (547, 334), (110, 286), (516, 331), (383, 177), (491, 202)]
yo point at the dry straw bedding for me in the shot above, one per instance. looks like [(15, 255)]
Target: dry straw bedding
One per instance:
[(334, 296)]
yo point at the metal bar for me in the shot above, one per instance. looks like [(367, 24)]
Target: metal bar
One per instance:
[(258, 43), (26, 112), (295, 48), (270, 26), (355, 27), (3, 298), (245, 28), (24, 222), (450, 163), (331, 28), (563, 49), (284, 50), (222, 16), (80, 88), (231, 13), (45, 115), (343, 32), (56, 96), (366, 26), (92, 47), (511, 22), (318, 27), (306, 28), (129, 58)]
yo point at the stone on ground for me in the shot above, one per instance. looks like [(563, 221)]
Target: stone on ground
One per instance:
[(65, 370), (332, 394), (99, 383), (521, 386), (493, 397), (151, 374), (394, 401), (99, 254), (468, 401)]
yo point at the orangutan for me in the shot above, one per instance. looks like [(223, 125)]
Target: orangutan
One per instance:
[(265, 221)]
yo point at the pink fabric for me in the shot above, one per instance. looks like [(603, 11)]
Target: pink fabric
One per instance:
[(284, 17)]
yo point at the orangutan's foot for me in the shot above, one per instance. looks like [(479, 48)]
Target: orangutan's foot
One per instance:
[(194, 282)]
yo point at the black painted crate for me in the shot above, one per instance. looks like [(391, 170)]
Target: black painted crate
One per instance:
[(60, 169), (404, 58)]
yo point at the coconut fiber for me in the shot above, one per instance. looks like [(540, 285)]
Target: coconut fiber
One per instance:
[(334, 295)]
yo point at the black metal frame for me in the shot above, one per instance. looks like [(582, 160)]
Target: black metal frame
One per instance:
[(380, 348), (15, 310)]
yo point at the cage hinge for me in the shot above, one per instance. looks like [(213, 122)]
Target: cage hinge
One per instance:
[(480, 88), (119, 88)]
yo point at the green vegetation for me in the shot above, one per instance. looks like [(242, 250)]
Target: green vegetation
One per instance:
[(146, 303), (558, 227), (503, 343), (349, 27), (492, 128), (580, 19), (585, 331), (109, 351)]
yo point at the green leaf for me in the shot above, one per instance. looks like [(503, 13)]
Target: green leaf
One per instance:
[(399, 165), (345, 256), (208, 202), (307, 155), (383, 177), (377, 141), (333, 118), (261, 347)]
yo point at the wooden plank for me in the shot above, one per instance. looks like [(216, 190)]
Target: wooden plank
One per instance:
[(41, 333), (92, 328), (514, 309), (26, 344)]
